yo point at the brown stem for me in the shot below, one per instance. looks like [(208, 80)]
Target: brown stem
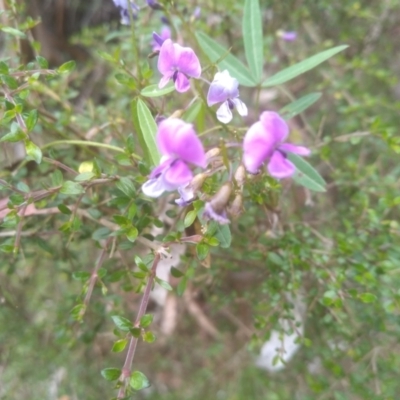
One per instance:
[(126, 369)]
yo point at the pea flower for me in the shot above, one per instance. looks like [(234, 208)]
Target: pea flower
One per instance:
[(264, 141), (124, 10), (179, 145), (158, 40), (224, 89), (178, 63)]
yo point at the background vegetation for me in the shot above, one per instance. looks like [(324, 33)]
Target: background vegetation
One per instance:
[(328, 260)]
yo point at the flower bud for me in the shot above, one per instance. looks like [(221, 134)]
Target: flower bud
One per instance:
[(240, 175), (236, 207), (215, 209)]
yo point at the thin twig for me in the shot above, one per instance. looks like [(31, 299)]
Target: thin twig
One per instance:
[(126, 369)]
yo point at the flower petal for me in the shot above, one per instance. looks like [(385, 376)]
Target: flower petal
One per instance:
[(187, 196), (164, 80), (187, 61), (280, 167), (240, 107), (275, 126), (167, 59), (222, 88), (210, 213), (153, 187), (176, 138), (224, 113), (178, 174), (258, 145), (182, 83), (291, 148)]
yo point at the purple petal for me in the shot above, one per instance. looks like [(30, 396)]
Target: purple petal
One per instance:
[(222, 88), (187, 196), (240, 107), (153, 187), (164, 80), (158, 40), (275, 126), (167, 59), (258, 145), (209, 213), (176, 138), (288, 36), (291, 148), (187, 61), (165, 162), (178, 174), (224, 113), (280, 167), (182, 83)]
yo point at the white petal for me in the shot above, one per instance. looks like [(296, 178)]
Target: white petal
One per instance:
[(240, 107), (224, 113), (153, 187)]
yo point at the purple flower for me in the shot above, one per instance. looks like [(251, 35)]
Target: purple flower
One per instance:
[(288, 36), (123, 8), (215, 209), (179, 145), (154, 5), (224, 89), (178, 63), (264, 141), (158, 40)]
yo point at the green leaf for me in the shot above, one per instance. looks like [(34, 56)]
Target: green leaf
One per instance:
[(3, 68), (81, 275), (111, 374), (14, 136), (69, 187), (176, 273), (10, 81), (14, 32), (31, 120), (131, 233), (106, 56), (299, 105), (202, 250), (303, 66), (126, 80), (122, 323), (66, 67), (215, 52), (64, 209), (306, 175), (57, 178), (149, 130), (126, 186), (119, 345), (253, 37), (224, 236), (42, 62), (189, 218), (139, 380), (149, 337), (155, 91), (84, 176), (180, 289), (163, 284), (33, 151), (146, 320), (367, 297)]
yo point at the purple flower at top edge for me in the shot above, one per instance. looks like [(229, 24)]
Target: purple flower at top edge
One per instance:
[(124, 10), (154, 5), (177, 63), (179, 145), (224, 89), (264, 141), (288, 36), (158, 40)]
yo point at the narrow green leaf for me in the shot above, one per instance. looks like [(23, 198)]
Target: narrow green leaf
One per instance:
[(31, 120), (14, 136), (306, 175), (139, 380), (189, 218), (126, 80), (176, 273), (81, 276), (33, 151), (84, 176), (215, 52), (303, 66), (69, 187), (149, 130), (299, 105), (111, 374), (202, 250), (155, 91), (10, 81), (122, 323), (125, 185), (253, 37), (146, 320), (42, 62), (64, 209), (66, 67), (163, 284), (367, 297), (3, 68), (14, 32)]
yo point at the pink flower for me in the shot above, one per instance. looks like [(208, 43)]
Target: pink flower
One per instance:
[(177, 63), (264, 141)]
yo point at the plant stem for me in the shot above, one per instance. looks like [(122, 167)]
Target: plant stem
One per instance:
[(126, 369)]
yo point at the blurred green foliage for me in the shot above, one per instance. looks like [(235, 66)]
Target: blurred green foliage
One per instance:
[(338, 249)]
